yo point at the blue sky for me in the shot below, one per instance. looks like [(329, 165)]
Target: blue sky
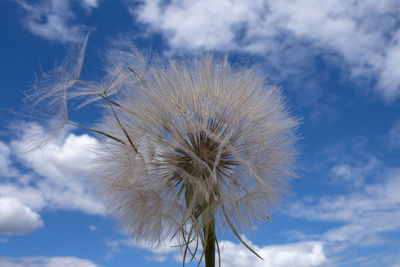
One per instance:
[(338, 64)]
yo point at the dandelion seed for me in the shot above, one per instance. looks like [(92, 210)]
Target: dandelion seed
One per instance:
[(189, 148)]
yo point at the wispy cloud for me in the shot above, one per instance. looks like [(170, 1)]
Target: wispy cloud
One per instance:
[(54, 19), (159, 254), (89, 4), (354, 173), (5, 162), (360, 36), (46, 262), (393, 137), (360, 218)]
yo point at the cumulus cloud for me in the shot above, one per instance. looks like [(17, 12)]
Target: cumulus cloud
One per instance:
[(58, 176), (364, 34), (17, 218), (54, 19), (64, 165), (46, 262), (286, 255), (203, 27), (310, 253)]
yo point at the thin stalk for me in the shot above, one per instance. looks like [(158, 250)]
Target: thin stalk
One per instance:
[(209, 241)]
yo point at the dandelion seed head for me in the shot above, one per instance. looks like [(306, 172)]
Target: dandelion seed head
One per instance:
[(184, 143), (207, 136)]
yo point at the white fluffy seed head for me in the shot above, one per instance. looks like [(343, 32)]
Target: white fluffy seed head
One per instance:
[(186, 142), (208, 139)]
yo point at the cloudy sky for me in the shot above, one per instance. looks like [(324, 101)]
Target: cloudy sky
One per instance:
[(338, 64)]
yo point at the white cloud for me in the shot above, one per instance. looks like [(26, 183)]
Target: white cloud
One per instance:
[(89, 4), (364, 215), (54, 19), (4, 159), (362, 33), (286, 255), (395, 264), (358, 216), (30, 195), (195, 24), (113, 248), (5, 162), (159, 253), (64, 166), (355, 173), (16, 218), (46, 262), (393, 138), (307, 254), (58, 176), (168, 247), (390, 72)]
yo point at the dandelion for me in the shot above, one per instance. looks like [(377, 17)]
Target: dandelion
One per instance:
[(189, 148)]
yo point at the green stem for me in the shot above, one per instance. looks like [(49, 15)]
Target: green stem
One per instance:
[(209, 240)]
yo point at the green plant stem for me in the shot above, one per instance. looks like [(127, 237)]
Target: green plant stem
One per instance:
[(210, 238)]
